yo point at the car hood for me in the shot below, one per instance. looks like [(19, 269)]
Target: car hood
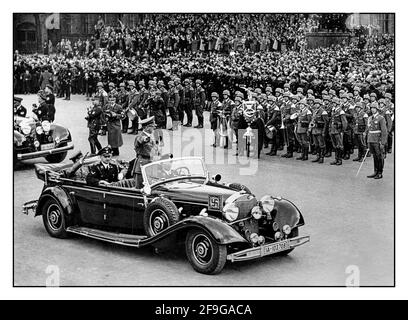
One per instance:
[(193, 192)]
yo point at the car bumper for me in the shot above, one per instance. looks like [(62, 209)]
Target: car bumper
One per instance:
[(266, 249), (37, 154)]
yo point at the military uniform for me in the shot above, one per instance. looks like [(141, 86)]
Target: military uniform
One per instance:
[(318, 125), (289, 126), (19, 109), (133, 105), (188, 103), (113, 114), (50, 101), (123, 99), (348, 130), (377, 138), (215, 109), (359, 127), (102, 96), (337, 124), (173, 105), (273, 124), (94, 125), (302, 126), (199, 103), (99, 171)]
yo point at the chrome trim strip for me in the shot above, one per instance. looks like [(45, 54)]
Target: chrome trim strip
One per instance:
[(24, 156)]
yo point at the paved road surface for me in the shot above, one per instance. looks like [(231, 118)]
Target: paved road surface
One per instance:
[(350, 221)]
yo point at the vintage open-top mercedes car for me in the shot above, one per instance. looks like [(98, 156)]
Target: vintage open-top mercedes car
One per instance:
[(34, 139), (179, 202)]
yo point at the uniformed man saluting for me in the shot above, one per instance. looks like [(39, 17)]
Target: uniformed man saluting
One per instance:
[(377, 136), (19, 110), (145, 147), (104, 172)]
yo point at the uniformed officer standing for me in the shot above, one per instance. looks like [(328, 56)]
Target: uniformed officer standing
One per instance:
[(122, 98), (165, 97), (337, 124), (359, 128), (227, 105), (94, 125), (141, 110), (50, 101), (199, 103), (113, 115), (302, 126), (133, 104), (102, 96), (236, 113), (188, 102), (274, 122), (104, 172), (317, 127), (377, 138), (41, 111), (146, 149), (19, 109), (67, 81), (288, 125), (391, 122), (348, 130), (180, 89), (215, 109), (173, 105)]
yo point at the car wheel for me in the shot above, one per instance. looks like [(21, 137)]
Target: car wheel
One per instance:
[(239, 187), (57, 157), (293, 234), (54, 218), (204, 254), (159, 215)]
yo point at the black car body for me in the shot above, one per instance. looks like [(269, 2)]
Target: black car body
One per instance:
[(34, 139), (179, 201)]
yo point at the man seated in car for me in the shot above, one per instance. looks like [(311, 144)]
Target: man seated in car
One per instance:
[(106, 171), (164, 171)]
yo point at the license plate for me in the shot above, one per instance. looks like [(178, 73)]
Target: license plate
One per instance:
[(275, 247), (48, 146)]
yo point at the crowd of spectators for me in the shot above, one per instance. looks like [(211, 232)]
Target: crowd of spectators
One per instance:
[(223, 50)]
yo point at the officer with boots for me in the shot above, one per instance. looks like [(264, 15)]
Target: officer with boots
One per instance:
[(359, 128), (338, 121), (274, 122), (304, 118), (317, 128), (199, 103)]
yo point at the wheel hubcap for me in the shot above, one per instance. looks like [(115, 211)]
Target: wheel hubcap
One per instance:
[(158, 221), (202, 249), (54, 217)]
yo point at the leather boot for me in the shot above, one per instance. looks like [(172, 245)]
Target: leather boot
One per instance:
[(334, 162), (305, 153), (372, 175), (321, 158), (339, 158), (301, 155), (318, 155), (346, 155), (328, 154)]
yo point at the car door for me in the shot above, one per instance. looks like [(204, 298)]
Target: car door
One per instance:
[(124, 208)]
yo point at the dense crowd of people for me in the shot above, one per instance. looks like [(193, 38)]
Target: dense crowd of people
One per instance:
[(174, 65)]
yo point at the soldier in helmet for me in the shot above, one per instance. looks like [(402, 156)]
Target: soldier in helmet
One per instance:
[(199, 103), (389, 111), (102, 97), (133, 104), (302, 126), (377, 138), (348, 131), (317, 127), (359, 128), (273, 124), (236, 114), (188, 101), (287, 110), (337, 124), (173, 105), (94, 123), (122, 98), (227, 105), (113, 116), (216, 108)]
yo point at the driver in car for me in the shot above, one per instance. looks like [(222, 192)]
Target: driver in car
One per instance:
[(106, 171), (164, 170)]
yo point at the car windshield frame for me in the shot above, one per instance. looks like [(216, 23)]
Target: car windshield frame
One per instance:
[(155, 163)]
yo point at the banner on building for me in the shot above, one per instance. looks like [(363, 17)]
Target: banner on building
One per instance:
[(52, 21)]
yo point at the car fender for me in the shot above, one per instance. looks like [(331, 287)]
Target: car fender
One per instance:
[(220, 230), (61, 132), (18, 137), (287, 214), (58, 194)]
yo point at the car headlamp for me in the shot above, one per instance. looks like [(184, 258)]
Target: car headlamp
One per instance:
[(267, 203), (26, 129), (46, 125), (230, 211), (254, 238), (261, 240), (256, 212), (36, 143), (39, 130), (286, 229), (278, 235)]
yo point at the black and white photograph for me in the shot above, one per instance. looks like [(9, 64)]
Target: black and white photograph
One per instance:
[(203, 149)]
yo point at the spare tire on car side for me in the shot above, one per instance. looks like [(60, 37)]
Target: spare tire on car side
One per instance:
[(160, 214)]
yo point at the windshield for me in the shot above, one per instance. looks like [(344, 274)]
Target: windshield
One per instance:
[(173, 168)]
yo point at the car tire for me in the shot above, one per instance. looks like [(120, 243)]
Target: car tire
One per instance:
[(54, 218), (57, 157), (159, 215), (293, 234), (204, 254), (239, 187)]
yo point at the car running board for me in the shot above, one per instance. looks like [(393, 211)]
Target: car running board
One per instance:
[(113, 237)]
